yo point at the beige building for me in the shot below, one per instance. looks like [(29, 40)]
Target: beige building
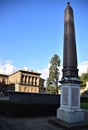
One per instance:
[(24, 81), (3, 79)]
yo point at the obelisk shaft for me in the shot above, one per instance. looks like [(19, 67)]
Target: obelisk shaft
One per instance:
[(69, 53)]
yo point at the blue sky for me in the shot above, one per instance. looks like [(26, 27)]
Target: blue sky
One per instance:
[(31, 32)]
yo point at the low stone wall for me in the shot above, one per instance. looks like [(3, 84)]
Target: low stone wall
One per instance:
[(34, 98)]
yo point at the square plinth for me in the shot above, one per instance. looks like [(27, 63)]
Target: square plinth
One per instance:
[(70, 116), (70, 96)]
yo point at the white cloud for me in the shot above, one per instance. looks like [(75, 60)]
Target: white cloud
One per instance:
[(83, 67), (45, 72), (25, 68), (7, 68)]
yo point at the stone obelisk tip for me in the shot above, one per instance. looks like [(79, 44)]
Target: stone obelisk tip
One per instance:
[(68, 3)]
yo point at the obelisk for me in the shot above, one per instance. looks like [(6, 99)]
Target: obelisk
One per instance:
[(69, 53), (69, 110)]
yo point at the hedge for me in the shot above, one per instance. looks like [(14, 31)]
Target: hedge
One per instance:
[(84, 99), (10, 109)]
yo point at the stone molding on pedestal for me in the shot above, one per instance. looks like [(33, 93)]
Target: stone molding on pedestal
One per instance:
[(72, 116)]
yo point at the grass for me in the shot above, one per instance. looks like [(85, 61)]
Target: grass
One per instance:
[(84, 105)]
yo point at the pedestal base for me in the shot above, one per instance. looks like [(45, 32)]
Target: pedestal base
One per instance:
[(70, 116)]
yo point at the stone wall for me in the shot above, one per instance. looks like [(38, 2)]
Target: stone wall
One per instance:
[(34, 98)]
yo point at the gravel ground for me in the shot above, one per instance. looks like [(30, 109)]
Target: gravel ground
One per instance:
[(37, 123), (40, 123)]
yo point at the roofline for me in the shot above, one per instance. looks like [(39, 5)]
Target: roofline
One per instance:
[(24, 71), (4, 75)]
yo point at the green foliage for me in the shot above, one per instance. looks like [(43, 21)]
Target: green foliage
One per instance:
[(48, 82), (51, 89), (84, 105), (84, 79), (52, 81)]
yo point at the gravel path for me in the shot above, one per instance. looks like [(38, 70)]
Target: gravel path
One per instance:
[(40, 123), (37, 123)]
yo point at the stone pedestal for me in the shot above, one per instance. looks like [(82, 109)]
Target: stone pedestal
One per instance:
[(69, 110)]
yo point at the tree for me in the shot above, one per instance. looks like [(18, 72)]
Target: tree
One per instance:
[(52, 81), (84, 79)]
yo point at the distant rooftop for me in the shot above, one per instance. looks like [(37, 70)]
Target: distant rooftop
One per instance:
[(5, 75), (27, 71)]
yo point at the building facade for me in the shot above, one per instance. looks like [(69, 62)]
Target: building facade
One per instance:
[(3, 79), (24, 81)]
